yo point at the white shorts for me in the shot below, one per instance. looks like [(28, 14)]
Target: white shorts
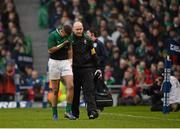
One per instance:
[(59, 68)]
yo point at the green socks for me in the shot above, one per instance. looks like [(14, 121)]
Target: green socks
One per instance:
[(69, 107), (54, 110)]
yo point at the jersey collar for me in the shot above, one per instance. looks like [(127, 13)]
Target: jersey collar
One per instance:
[(57, 30)]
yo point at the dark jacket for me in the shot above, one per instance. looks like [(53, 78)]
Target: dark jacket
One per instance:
[(101, 52), (82, 52)]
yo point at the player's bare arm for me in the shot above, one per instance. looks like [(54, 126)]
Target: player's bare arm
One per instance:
[(56, 48)]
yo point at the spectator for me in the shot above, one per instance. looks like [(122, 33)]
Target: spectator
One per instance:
[(118, 72), (9, 88), (115, 57), (118, 32), (37, 86), (109, 46), (104, 37), (4, 43), (108, 78), (129, 94)]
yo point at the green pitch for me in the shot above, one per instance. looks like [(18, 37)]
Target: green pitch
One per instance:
[(114, 117)]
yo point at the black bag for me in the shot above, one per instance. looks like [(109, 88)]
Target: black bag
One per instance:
[(103, 99), (102, 95)]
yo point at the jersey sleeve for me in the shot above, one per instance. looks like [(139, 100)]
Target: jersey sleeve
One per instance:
[(51, 41)]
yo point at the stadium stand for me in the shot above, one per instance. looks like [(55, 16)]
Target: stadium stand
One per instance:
[(134, 32), (16, 54)]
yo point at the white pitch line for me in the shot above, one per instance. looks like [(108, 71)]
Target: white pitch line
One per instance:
[(146, 117)]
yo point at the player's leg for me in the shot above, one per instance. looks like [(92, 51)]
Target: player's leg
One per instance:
[(67, 76), (54, 101), (70, 91), (68, 80), (54, 77)]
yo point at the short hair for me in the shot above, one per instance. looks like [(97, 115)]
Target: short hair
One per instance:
[(93, 30), (67, 29)]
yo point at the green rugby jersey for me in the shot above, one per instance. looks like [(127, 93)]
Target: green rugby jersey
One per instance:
[(55, 39)]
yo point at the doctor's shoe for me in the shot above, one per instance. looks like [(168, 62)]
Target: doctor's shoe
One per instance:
[(93, 114)]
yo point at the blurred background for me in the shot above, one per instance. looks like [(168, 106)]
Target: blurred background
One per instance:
[(134, 33)]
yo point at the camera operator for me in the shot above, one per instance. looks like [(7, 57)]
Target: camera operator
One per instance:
[(156, 93)]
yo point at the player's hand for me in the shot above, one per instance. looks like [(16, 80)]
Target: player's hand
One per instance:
[(66, 42), (63, 44), (98, 73)]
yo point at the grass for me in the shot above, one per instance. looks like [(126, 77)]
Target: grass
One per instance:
[(113, 117)]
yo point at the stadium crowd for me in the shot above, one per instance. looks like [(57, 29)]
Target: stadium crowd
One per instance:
[(15, 56), (134, 33)]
